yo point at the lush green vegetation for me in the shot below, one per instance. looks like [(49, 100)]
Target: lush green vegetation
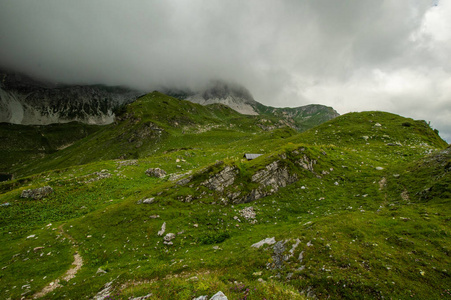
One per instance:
[(370, 221)]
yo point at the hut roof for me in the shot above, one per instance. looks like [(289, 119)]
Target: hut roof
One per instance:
[(250, 156)]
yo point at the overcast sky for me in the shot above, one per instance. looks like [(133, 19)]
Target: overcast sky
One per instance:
[(352, 55)]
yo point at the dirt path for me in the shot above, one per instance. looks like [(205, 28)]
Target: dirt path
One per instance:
[(76, 265)]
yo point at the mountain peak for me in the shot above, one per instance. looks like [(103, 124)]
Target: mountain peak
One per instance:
[(222, 90)]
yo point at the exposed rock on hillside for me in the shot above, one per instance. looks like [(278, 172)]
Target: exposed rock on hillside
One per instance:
[(38, 193), (155, 172), (241, 100), (234, 96), (30, 102), (222, 179), (230, 184)]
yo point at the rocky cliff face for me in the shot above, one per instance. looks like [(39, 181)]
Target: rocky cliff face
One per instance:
[(29, 102), (234, 96)]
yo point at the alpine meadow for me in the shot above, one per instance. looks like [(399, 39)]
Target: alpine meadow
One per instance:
[(162, 204)]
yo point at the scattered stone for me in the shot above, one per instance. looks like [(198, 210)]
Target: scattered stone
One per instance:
[(336, 183), (269, 241), (196, 225), (31, 236), (130, 162), (249, 214), (154, 216), (201, 298), (5, 204), (155, 172), (377, 125), (38, 193), (379, 168), (162, 230), (148, 200), (394, 144), (194, 278), (168, 237), (100, 271), (37, 248), (100, 175), (365, 137)]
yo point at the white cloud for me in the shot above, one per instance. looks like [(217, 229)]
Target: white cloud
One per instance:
[(353, 55)]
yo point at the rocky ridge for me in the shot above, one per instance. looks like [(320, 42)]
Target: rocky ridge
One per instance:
[(30, 102)]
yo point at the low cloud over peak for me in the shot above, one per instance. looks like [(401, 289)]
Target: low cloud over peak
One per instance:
[(385, 55)]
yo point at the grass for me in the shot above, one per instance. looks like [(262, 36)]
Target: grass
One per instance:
[(353, 233)]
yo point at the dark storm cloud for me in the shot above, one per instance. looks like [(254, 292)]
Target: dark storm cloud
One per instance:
[(353, 55)]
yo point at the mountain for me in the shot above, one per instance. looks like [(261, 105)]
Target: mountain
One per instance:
[(240, 99), (24, 100), (161, 204), (154, 122)]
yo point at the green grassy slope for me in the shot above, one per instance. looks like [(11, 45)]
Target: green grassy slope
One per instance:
[(369, 220), (153, 123), (20, 144), (302, 118)]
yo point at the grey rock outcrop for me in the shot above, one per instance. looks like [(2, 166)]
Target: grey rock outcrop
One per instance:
[(222, 179), (274, 176), (162, 230), (24, 100), (307, 163), (38, 193), (267, 241), (156, 172), (270, 179)]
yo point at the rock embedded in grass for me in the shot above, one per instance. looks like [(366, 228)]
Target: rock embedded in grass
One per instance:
[(148, 201), (156, 172), (38, 193)]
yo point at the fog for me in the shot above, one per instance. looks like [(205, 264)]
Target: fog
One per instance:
[(351, 55)]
